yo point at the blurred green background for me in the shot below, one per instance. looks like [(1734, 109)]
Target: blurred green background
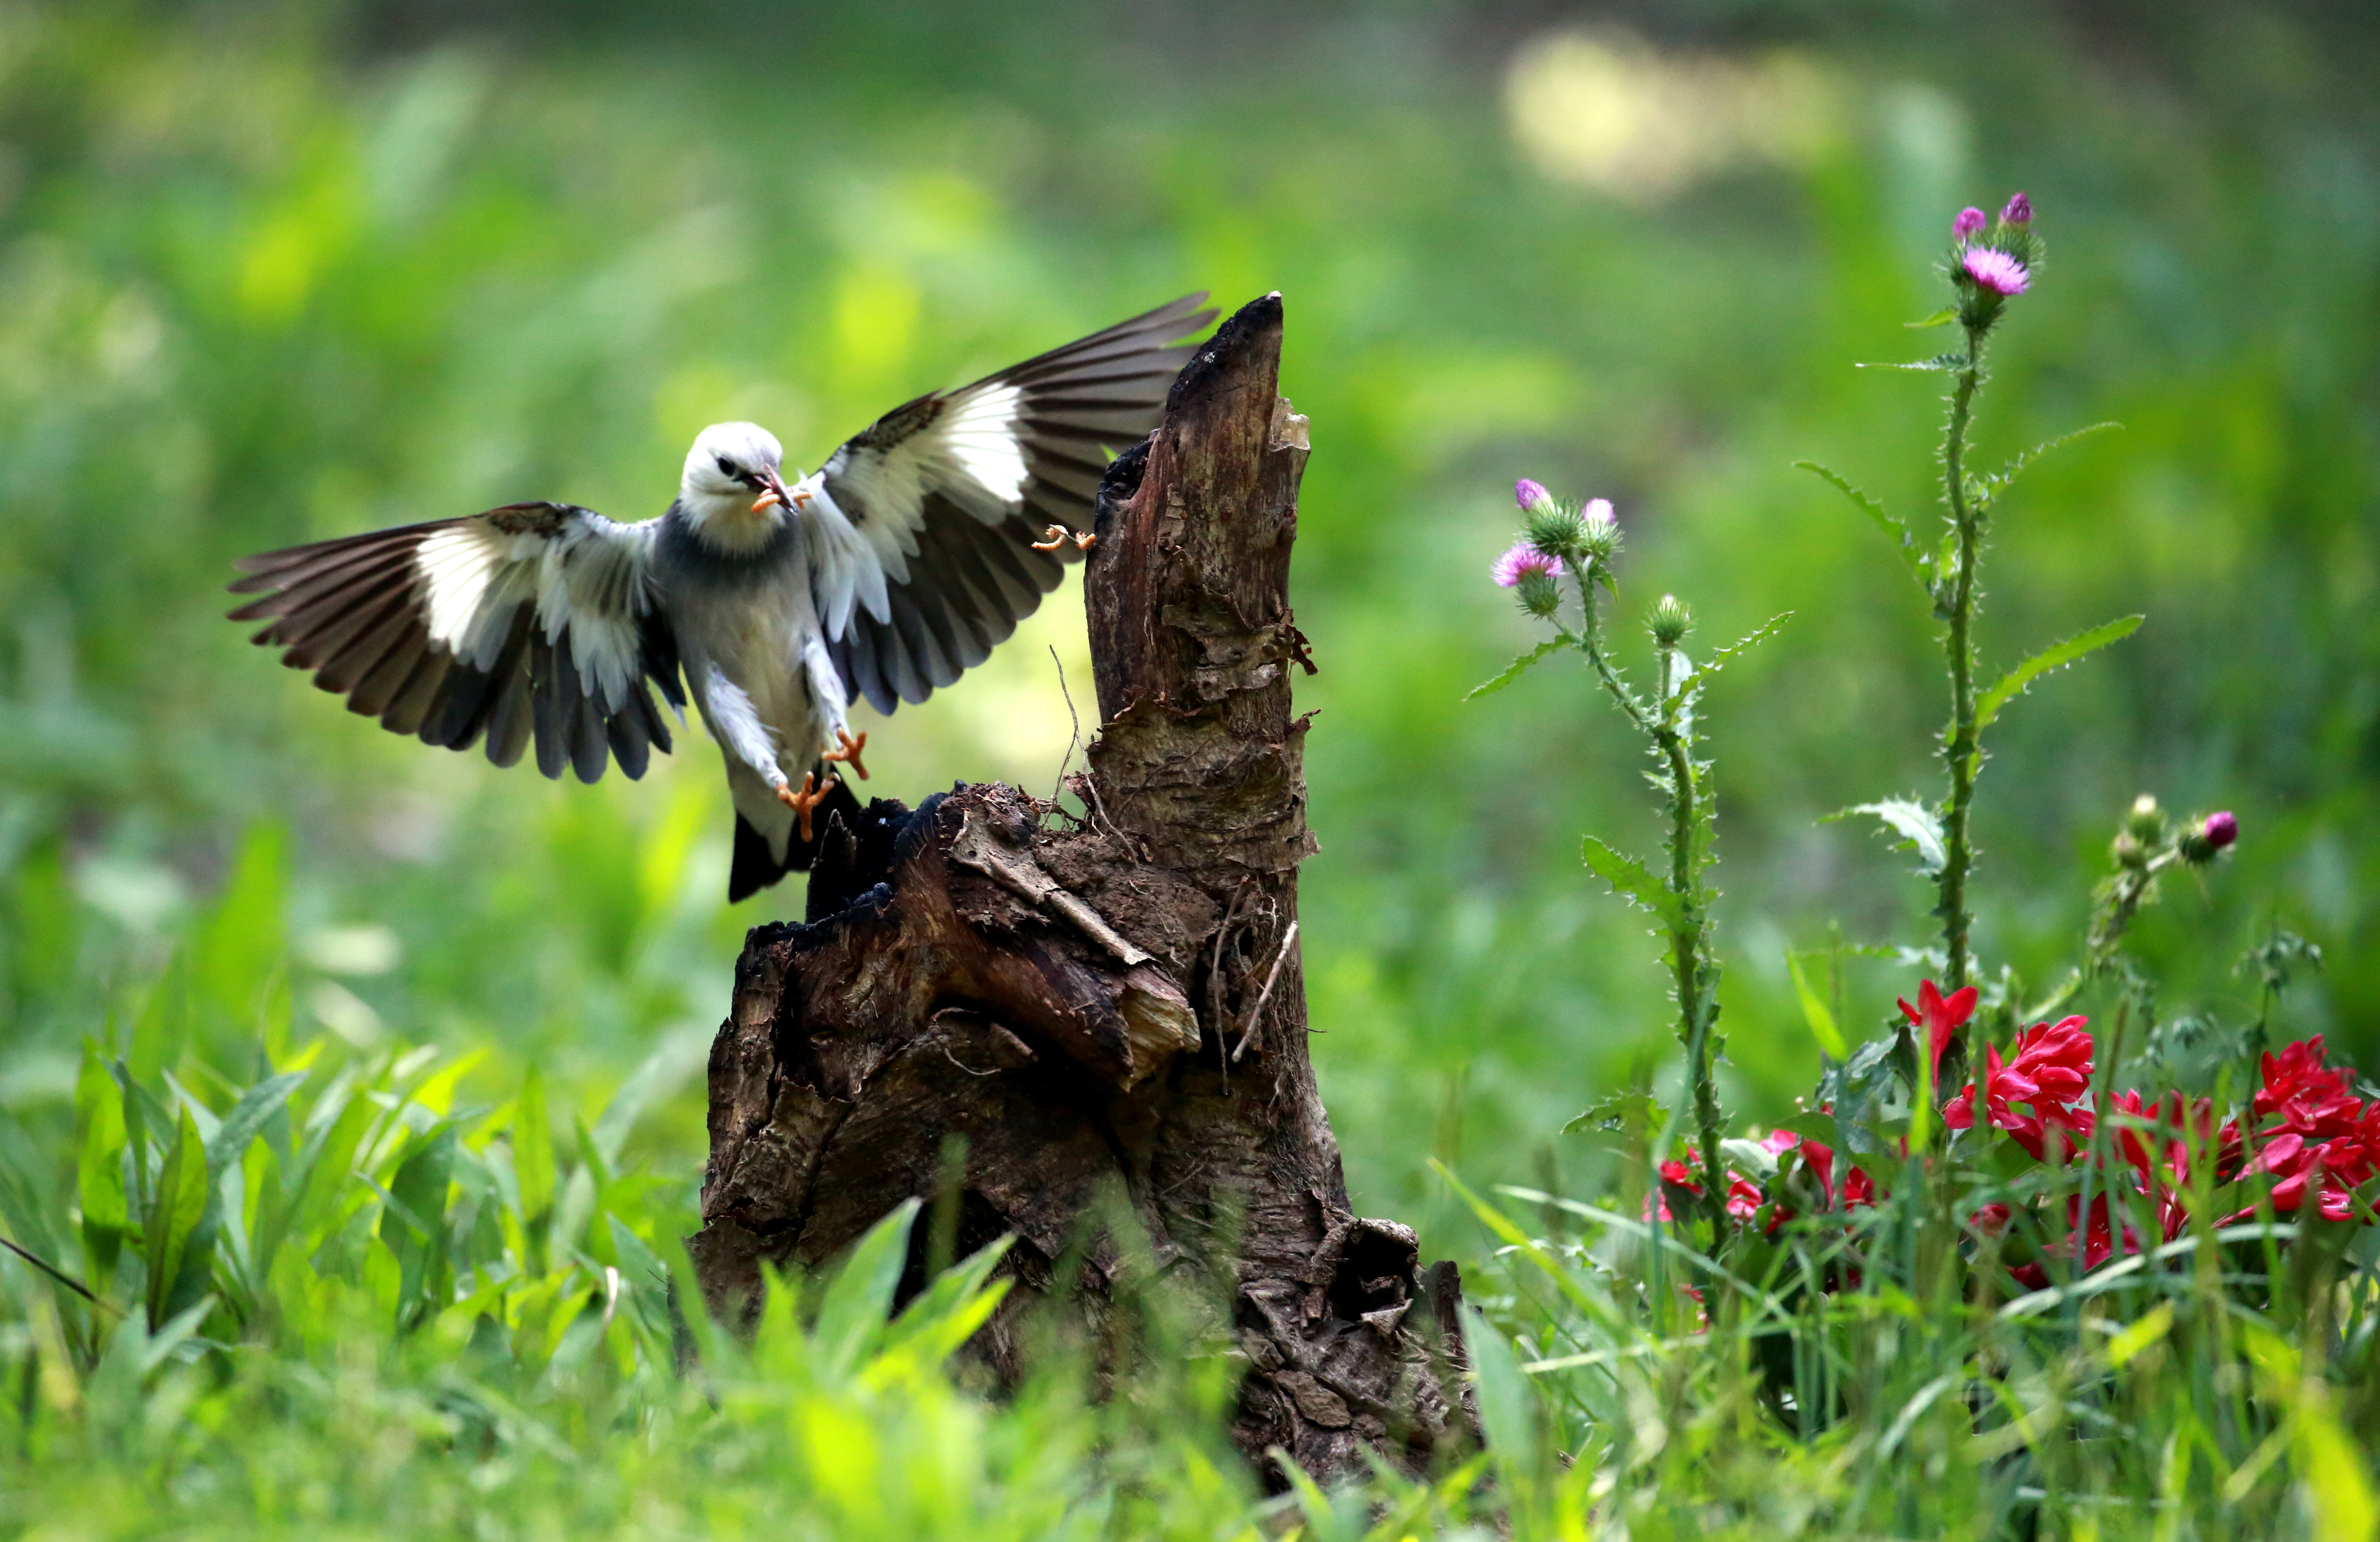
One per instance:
[(274, 272)]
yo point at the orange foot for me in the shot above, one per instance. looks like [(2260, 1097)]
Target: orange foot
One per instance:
[(1051, 539), (805, 802), (848, 748)]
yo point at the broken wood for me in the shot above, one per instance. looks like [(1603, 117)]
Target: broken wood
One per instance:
[(1068, 997)]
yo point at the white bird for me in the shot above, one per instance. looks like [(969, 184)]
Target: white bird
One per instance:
[(899, 563)]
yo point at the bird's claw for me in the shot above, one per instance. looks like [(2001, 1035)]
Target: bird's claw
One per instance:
[(847, 748), (1058, 535), (805, 802)]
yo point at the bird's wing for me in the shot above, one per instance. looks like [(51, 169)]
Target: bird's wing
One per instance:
[(921, 554), (530, 621)]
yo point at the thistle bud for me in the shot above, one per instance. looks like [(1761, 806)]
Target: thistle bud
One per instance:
[(2017, 215), (1532, 496), (2207, 837), (1554, 531), (1540, 596), (2145, 823), (1669, 621), (1968, 225), (1598, 531)]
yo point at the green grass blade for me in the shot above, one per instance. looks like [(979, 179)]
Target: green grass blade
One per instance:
[(852, 1316)]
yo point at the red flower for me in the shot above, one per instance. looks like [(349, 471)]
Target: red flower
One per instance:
[(1743, 1195), (2048, 1070), (2160, 1155), (2310, 1097), (1942, 1018), (1858, 1187)]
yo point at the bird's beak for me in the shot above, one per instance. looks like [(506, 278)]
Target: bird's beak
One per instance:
[(775, 496)]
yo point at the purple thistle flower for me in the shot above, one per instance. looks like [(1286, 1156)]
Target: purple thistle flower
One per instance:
[(1968, 225), (1995, 271), (2222, 829), (2019, 212), (1521, 561), (1531, 495)]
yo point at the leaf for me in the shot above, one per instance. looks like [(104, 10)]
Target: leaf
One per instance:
[(1940, 363), (1943, 317), (1517, 668), (1815, 1011), (247, 1116), (1913, 821), (1507, 1407), (1741, 646), (1987, 492), (2056, 656), (99, 1168), (174, 1219), (532, 1142), (1633, 880), (1751, 1158), (1624, 1114), (853, 1314), (948, 1311), (1921, 563), (1863, 1090)]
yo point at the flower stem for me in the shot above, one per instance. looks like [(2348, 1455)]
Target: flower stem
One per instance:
[(1689, 938), (1960, 747), (1690, 950)]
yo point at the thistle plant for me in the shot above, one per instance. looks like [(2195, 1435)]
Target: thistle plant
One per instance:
[(1579, 542), (1991, 263)]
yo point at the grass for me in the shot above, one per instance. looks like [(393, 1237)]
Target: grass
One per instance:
[(266, 275)]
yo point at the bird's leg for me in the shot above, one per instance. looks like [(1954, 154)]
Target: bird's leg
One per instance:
[(803, 803), (848, 748), (1058, 535)]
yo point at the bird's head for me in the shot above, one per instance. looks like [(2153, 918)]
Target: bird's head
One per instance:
[(730, 485)]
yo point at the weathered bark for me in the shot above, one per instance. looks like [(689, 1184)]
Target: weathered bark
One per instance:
[(1111, 1013)]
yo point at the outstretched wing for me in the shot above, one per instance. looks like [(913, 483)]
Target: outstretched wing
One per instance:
[(533, 619), (921, 551)]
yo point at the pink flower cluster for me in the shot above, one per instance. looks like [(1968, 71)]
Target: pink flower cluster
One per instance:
[(1991, 269)]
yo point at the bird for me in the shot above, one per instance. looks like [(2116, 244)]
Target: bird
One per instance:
[(773, 605)]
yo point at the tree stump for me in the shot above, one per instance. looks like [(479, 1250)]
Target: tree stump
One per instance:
[(1108, 1010)]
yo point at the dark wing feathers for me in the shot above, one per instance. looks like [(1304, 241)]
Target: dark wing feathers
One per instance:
[(359, 612), (971, 571)]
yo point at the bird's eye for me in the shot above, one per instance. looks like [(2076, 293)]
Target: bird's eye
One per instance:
[(726, 466)]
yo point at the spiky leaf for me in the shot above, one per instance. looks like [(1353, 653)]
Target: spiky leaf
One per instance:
[(1916, 825), (2012, 685), (1632, 879), (1517, 668), (1987, 491), (1895, 528)]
